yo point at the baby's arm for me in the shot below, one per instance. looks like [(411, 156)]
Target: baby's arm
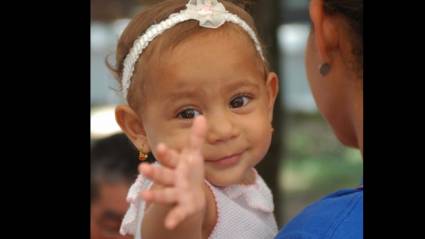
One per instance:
[(180, 201)]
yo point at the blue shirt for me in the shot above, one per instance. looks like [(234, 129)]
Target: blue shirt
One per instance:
[(338, 215)]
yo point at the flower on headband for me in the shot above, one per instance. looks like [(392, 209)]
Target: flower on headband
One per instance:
[(209, 13)]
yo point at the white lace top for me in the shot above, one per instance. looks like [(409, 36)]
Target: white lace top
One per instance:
[(243, 211)]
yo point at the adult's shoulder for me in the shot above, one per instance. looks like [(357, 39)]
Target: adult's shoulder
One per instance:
[(338, 215)]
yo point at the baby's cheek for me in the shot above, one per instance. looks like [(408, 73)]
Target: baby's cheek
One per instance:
[(173, 141), (260, 141)]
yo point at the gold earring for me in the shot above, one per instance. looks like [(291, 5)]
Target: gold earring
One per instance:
[(142, 155)]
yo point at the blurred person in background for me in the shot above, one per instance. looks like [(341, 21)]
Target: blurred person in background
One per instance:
[(114, 162), (334, 65)]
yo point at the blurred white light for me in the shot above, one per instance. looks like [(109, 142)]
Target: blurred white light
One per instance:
[(102, 122), (99, 36), (119, 25), (293, 37)]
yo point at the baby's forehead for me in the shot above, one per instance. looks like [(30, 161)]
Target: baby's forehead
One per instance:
[(208, 49), (215, 45), (229, 40), (227, 34)]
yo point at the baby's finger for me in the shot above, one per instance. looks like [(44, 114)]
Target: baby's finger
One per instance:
[(198, 134), (159, 175), (163, 196), (183, 173), (166, 156), (174, 217)]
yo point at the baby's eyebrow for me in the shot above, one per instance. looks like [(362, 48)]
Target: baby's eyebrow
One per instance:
[(242, 83), (194, 92)]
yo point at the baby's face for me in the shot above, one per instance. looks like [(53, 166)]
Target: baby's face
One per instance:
[(220, 77)]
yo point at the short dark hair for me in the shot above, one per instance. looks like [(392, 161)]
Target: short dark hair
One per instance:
[(112, 159), (352, 11)]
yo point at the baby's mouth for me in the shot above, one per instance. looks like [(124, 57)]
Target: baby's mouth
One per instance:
[(226, 160)]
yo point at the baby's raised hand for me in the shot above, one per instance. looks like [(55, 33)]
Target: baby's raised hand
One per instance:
[(181, 177)]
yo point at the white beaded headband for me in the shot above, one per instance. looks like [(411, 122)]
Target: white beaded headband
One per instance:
[(209, 13)]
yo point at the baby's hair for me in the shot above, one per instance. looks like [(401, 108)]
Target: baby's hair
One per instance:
[(169, 39), (352, 11)]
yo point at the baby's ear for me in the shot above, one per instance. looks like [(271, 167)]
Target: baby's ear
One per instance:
[(132, 126), (272, 87)]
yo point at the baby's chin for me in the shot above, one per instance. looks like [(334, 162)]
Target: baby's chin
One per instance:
[(230, 177)]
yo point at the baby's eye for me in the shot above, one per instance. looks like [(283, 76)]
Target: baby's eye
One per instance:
[(239, 101), (188, 114)]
